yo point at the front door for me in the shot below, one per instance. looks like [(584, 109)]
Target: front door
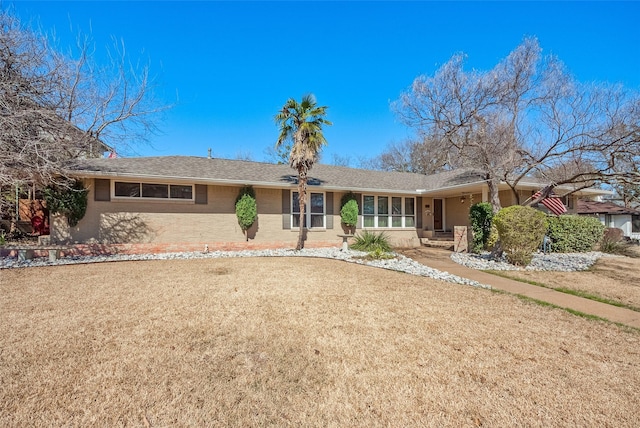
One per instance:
[(437, 214)]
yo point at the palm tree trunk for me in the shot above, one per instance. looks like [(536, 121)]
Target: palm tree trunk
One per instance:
[(302, 195)]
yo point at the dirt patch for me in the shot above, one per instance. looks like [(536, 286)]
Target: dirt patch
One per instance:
[(301, 342)]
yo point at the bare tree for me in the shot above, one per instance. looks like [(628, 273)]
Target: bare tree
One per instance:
[(527, 116), (340, 160), (57, 106), (278, 154), (418, 156), (628, 190), (244, 155)]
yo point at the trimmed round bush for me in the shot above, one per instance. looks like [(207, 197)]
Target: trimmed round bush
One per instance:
[(492, 240), (349, 213), (521, 230), (574, 233)]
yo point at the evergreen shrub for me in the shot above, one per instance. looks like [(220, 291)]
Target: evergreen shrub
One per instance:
[(521, 230), (480, 217), (69, 200), (574, 233), (349, 213), (246, 208)]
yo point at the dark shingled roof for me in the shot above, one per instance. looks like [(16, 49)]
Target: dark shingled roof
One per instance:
[(595, 207), (221, 171)]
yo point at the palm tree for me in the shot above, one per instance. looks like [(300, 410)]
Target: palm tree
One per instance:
[(302, 123)]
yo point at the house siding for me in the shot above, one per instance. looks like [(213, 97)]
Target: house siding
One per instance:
[(210, 218), (145, 221), (456, 213)]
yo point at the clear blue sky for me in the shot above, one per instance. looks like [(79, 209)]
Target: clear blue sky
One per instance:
[(234, 64)]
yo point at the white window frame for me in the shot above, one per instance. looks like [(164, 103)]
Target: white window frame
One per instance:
[(389, 216), (404, 212), (142, 198), (307, 211)]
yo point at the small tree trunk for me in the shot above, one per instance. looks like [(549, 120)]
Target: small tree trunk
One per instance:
[(494, 200), (494, 194)]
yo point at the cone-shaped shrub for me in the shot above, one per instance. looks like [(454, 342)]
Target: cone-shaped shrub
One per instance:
[(246, 209), (349, 213)]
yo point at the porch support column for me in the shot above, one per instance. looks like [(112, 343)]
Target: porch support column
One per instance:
[(485, 194)]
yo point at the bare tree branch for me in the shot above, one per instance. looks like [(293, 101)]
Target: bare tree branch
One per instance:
[(525, 117), (57, 106)]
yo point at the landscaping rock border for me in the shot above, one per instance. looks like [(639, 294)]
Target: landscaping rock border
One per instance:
[(559, 262), (398, 263)]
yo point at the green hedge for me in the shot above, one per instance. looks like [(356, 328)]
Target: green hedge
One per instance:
[(574, 233), (480, 217), (68, 200), (521, 230)]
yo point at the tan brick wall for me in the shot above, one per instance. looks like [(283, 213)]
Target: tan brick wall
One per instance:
[(456, 213), (158, 222)]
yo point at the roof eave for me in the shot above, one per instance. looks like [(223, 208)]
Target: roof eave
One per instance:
[(455, 187), (264, 184)]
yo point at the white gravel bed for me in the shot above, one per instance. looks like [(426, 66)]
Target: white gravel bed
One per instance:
[(398, 263), (560, 262)]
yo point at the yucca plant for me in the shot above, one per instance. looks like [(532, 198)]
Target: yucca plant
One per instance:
[(369, 242)]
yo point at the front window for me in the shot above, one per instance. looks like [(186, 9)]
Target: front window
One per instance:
[(123, 189), (386, 211), (314, 210), (127, 190), (635, 224), (383, 211), (409, 212), (317, 210), (368, 211), (155, 191), (180, 192), (396, 212)]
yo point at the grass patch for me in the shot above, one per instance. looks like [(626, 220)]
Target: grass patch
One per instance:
[(577, 293), (576, 313), (200, 342)]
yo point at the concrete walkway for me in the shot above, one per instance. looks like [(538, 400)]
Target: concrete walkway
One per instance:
[(440, 259)]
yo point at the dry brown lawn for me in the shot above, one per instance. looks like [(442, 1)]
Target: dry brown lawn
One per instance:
[(613, 278), (298, 342)]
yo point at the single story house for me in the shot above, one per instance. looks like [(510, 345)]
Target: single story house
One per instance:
[(613, 215), (184, 199)]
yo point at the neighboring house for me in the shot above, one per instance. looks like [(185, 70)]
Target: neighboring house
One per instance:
[(613, 215), (192, 199)]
